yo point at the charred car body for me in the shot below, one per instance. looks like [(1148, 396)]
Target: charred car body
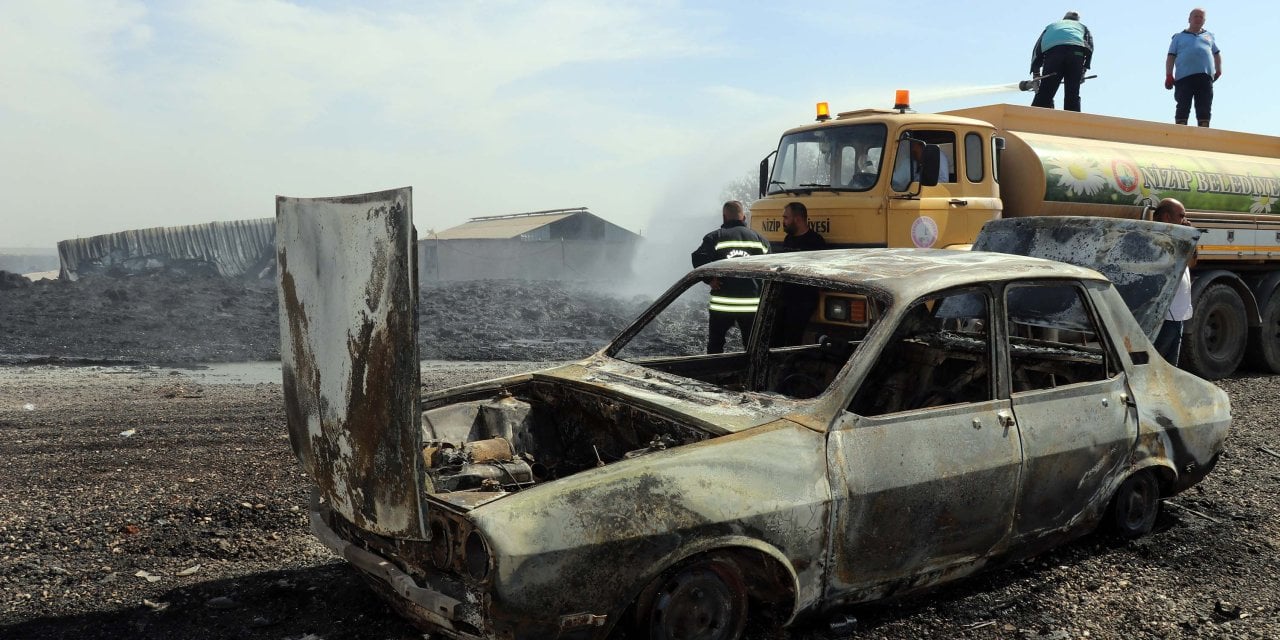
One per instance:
[(945, 410)]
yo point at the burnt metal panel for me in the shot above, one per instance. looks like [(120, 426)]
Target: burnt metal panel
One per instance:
[(348, 301), (1143, 259)]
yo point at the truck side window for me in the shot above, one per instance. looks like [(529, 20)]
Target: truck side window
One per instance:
[(973, 157), (946, 141)]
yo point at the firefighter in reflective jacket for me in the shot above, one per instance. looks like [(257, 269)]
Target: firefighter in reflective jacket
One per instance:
[(733, 300)]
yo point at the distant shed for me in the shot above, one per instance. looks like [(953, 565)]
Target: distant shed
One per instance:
[(557, 244)]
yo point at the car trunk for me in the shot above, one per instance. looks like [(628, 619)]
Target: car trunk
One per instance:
[(1144, 260)]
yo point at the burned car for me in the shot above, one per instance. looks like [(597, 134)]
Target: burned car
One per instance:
[(942, 411)]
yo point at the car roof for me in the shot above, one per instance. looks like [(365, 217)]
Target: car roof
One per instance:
[(904, 273)]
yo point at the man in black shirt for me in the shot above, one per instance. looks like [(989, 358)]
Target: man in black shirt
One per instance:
[(798, 301), (795, 221)]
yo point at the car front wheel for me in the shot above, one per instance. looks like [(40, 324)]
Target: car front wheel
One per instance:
[(704, 600), (1135, 505)]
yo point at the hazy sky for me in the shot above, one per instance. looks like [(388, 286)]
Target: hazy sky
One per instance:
[(119, 115)]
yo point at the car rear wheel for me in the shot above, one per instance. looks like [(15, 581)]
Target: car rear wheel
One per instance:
[(704, 600), (1135, 505)]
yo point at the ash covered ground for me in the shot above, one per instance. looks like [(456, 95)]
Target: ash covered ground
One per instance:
[(174, 320), (139, 502)]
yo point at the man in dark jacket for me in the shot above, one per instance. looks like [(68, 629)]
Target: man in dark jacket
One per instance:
[(797, 302), (733, 300), (1065, 48)]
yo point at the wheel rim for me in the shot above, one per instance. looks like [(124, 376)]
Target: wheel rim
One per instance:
[(702, 603), (1137, 504), (1136, 507), (1218, 335)]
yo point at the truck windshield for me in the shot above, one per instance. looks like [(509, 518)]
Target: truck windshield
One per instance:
[(845, 158)]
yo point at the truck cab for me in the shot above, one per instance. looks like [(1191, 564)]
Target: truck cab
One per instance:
[(864, 186)]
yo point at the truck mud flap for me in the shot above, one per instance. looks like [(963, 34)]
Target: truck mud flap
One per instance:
[(348, 315)]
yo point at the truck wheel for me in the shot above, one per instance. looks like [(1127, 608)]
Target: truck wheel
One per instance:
[(1264, 349), (1218, 332)]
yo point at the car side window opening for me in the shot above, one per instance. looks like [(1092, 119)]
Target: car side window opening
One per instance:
[(1054, 338), (938, 355)]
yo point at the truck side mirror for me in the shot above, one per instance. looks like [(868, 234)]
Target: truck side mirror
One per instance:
[(929, 165), (764, 174)]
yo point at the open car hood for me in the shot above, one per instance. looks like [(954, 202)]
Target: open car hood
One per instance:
[(348, 284), (1144, 260)]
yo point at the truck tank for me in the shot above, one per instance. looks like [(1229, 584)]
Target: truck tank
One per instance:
[(1059, 163)]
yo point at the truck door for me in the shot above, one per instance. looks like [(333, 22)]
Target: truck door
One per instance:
[(348, 314), (920, 220)]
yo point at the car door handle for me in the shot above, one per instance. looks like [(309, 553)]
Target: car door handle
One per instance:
[(1005, 418), (959, 203)]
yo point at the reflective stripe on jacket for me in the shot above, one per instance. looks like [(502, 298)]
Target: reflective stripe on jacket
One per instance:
[(732, 240)]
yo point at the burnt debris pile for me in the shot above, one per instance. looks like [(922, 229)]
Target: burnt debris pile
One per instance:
[(180, 318)]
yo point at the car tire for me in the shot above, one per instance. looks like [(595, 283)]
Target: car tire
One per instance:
[(702, 600), (1264, 352), (1135, 505), (1218, 333)]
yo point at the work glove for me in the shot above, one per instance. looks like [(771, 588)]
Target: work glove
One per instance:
[(1168, 81)]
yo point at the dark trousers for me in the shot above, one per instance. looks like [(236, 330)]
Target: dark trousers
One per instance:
[(718, 327), (1196, 88), (1066, 62), (793, 317), (1169, 340)]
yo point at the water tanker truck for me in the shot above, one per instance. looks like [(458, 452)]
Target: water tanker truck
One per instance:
[(897, 178)]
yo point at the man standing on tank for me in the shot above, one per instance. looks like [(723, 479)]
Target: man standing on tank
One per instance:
[(1191, 68), (1065, 51), (733, 300)]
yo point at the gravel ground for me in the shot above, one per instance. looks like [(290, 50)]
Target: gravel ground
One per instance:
[(146, 502), (193, 526)]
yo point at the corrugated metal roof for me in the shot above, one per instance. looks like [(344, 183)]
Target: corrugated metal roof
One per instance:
[(501, 227)]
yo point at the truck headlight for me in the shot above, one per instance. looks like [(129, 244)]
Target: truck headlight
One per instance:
[(476, 557), (837, 309), (845, 309)]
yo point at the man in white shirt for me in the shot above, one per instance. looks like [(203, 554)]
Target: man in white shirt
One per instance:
[(1169, 340)]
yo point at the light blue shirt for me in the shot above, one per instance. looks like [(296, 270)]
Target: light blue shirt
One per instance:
[(1065, 32), (1193, 53)]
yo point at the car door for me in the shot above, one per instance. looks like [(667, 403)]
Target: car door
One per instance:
[(1072, 403), (925, 464)]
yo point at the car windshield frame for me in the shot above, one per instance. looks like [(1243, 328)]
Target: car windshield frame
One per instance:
[(842, 157)]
